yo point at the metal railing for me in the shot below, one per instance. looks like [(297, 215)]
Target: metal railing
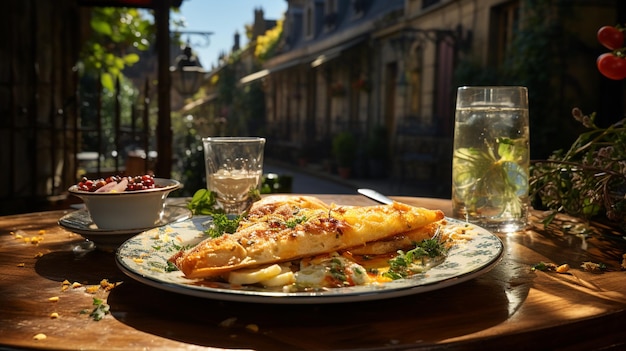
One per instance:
[(49, 151)]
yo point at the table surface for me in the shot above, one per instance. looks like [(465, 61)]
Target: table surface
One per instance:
[(511, 306)]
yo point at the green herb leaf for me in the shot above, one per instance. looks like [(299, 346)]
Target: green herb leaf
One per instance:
[(414, 260), (292, 223), (100, 310), (223, 224), (203, 203)]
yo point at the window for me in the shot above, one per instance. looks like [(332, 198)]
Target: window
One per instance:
[(414, 68), (428, 3), (330, 14), (330, 7), (444, 98), (309, 20), (504, 25), (358, 6)]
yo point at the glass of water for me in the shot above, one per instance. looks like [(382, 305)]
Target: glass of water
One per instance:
[(234, 168), (491, 158)]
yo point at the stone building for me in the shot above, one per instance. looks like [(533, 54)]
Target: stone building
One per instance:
[(359, 66)]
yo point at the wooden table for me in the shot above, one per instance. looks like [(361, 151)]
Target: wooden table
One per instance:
[(510, 307)]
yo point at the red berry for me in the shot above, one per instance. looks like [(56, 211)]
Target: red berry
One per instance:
[(611, 37), (611, 66)]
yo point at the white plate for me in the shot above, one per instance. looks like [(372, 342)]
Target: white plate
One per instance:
[(80, 222), (144, 258)]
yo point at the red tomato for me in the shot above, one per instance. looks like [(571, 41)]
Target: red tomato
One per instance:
[(612, 66), (611, 37)]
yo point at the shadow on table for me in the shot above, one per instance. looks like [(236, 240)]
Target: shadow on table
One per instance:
[(417, 320), (85, 267)]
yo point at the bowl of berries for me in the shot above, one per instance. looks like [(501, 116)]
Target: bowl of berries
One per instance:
[(125, 202)]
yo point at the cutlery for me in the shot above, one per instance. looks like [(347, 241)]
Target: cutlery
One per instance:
[(375, 195)]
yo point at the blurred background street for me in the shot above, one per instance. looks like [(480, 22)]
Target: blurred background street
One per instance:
[(312, 180)]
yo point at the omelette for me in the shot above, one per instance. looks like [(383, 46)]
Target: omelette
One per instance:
[(283, 228)]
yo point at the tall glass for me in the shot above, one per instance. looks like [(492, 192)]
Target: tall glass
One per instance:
[(491, 157), (234, 167)]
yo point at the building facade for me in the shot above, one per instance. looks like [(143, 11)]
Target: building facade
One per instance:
[(363, 65)]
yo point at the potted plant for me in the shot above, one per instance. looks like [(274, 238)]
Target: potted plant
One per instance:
[(344, 150)]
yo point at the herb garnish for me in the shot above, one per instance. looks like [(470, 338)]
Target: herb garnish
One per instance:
[(292, 223), (100, 310), (203, 203), (337, 271), (413, 261), (223, 224)]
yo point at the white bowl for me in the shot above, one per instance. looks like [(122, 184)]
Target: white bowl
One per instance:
[(127, 209)]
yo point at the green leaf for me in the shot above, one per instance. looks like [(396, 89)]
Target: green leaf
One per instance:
[(414, 260), (131, 59), (512, 150), (101, 27), (203, 202), (107, 81), (100, 310), (222, 224), (118, 63)]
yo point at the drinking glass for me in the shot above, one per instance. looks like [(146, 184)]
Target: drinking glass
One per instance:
[(491, 157), (234, 167)]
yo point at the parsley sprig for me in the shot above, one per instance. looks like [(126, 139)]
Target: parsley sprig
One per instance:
[(222, 224), (204, 202), (100, 309), (414, 260)]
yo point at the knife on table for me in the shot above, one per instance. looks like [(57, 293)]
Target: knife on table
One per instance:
[(375, 195)]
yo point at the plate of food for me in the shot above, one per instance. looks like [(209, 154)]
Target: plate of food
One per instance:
[(298, 250)]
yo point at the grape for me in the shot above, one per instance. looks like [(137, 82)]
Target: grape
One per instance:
[(135, 183)]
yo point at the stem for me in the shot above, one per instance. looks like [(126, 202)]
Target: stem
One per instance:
[(580, 166), (612, 129)]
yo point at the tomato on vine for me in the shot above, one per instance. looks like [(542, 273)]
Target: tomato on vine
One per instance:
[(611, 66), (611, 37)]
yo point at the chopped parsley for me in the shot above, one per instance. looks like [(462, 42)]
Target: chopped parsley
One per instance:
[(171, 267), (413, 261), (223, 224), (100, 310), (337, 270), (292, 223), (543, 266)]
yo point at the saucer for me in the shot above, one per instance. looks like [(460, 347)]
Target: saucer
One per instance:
[(80, 222)]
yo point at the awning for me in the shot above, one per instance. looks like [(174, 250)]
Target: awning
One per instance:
[(265, 72), (314, 60), (334, 52), (254, 76), (323, 58), (197, 103)]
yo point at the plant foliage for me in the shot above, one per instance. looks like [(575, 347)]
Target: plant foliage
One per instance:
[(589, 179), (117, 35)]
